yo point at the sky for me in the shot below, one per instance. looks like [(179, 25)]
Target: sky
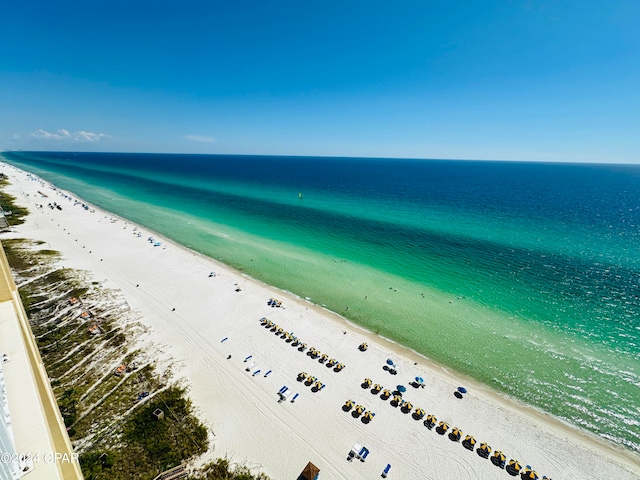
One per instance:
[(502, 80)]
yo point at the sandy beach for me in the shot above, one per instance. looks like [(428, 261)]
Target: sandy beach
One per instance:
[(211, 323)]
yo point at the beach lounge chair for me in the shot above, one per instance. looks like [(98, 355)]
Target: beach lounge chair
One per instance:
[(250, 366), (354, 452), (385, 472), (363, 454)]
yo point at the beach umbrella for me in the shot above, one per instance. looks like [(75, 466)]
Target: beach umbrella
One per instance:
[(386, 393), (369, 415), (498, 458), (348, 404), (366, 383), (389, 361), (376, 388), (514, 465), (363, 346), (431, 420), (462, 390), (455, 434), (444, 426), (301, 375), (339, 367), (485, 449), (360, 409), (530, 474), (401, 388), (408, 406), (397, 399), (469, 442), (419, 380), (419, 413), (318, 385)]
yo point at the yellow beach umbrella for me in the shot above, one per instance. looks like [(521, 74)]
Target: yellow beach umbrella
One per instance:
[(349, 404), (498, 458), (386, 393), (377, 387), (469, 442), (419, 413), (515, 465), (397, 399), (456, 433), (444, 426), (360, 409), (369, 415), (366, 383), (485, 449), (431, 420)]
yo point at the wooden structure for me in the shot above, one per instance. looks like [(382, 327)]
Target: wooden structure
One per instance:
[(174, 473), (310, 472)]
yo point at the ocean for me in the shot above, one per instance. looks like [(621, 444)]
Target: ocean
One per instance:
[(524, 276)]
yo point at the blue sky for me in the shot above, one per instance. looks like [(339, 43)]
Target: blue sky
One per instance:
[(513, 80)]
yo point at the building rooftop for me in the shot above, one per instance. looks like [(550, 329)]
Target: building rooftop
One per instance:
[(32, 433)]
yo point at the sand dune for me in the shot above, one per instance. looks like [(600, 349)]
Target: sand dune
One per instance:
[(192, 312)]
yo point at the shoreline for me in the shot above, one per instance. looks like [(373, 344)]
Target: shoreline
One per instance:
[(332, 323)]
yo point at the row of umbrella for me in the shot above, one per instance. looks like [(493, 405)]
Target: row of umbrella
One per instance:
[(397, 399), (310, 380), (359, 410), (289, 337), (484, 450)]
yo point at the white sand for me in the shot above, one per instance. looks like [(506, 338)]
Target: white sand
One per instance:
[(248, 423)]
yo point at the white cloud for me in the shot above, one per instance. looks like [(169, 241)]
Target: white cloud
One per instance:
[(200, 138), (65, 135)]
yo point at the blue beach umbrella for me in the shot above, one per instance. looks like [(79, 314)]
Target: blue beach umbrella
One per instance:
[(462, 390), (389, 361), (419, 379), (402, 388)]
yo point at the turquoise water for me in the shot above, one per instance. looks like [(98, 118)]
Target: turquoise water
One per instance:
[(523, 276)]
